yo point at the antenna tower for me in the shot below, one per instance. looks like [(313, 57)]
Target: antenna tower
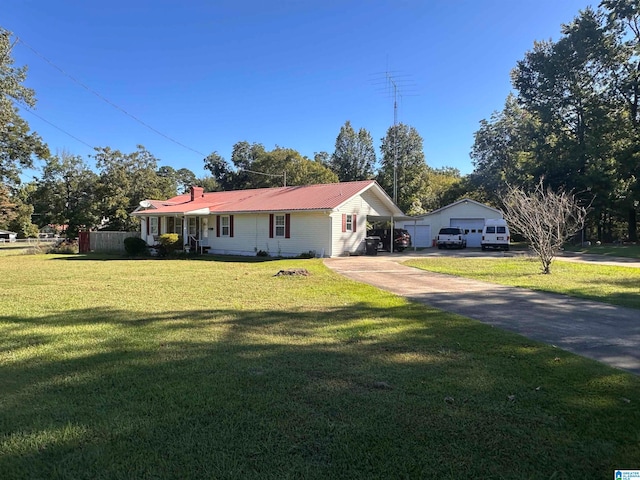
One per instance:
[(393, 83)]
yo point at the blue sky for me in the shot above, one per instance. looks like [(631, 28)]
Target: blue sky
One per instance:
[(290, 73)]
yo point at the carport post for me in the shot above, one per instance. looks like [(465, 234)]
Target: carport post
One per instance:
[(415, 229), (393, 227)]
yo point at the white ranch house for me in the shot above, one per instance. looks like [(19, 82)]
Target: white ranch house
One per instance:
[(466, 214), (329, 219)]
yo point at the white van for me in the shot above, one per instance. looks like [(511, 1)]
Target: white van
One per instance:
[(495, 234)]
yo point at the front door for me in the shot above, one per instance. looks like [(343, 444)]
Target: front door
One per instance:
[(193, 230)]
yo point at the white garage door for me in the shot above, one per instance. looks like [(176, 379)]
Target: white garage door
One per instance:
[(420, 234), (472, 227)]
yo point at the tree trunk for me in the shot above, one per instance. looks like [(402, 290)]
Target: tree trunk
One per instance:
[(633, 225)]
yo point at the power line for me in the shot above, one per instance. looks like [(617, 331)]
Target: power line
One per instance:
[(262, 173), (283, 175), (106, 100), (53, 125)]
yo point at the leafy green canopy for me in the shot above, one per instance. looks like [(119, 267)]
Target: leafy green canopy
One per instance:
[(574, 120), (254, 167), (17, 143)]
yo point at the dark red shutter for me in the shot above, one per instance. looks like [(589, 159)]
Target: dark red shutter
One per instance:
[(217, 225), (355, 223), (287, 225), (231, 225), (271, 225), (344, 222)]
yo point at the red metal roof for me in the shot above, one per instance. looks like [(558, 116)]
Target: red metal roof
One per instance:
[(308, 197)]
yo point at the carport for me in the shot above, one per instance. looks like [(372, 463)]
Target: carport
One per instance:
[(391, 219)]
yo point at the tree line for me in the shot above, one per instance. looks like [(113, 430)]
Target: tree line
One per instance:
[(573, 121), (571, 124)]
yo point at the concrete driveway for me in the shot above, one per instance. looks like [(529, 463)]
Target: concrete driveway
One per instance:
[(596, 330)]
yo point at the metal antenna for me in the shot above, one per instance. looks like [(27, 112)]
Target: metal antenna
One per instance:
[(393, 82), (395, 137)]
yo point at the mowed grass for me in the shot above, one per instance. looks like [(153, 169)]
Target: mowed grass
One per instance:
[(114, 368), (625, 251), (609, 284)]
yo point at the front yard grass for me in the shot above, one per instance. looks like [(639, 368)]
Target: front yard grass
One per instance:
[(115, 368), (609, 284)]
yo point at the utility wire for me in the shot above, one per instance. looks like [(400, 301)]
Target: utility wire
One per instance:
[(262, 173), (54, 126), (106, 100)]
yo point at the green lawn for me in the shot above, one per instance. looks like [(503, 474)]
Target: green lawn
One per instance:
[(113, 368), (626, 251), (615, 285)]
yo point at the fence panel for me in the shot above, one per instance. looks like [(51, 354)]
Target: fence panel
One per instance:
[(103, 241)]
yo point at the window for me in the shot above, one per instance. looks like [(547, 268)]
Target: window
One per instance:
[(153, 225), (279, 219), (491, 229), (502, 229), (224, 225), (178, 226), (349, 223), (279, 225), (193, 227)]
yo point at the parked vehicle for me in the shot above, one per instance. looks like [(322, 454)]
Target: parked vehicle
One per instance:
[(401, 238), (451, 237), (495, 234)]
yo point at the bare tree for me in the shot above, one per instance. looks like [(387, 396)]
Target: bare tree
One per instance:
[(547, 219)]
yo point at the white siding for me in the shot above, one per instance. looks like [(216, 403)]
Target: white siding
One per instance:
[(344, 243), (309, 231), (373, 206)]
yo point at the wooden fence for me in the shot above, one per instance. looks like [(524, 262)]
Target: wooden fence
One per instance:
[(103, 241)]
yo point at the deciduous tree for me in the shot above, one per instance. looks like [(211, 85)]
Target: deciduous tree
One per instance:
[(125, 179), (354, 157), (547, 219), (66, 194), (254, 167), (402, 151), (18, 144)]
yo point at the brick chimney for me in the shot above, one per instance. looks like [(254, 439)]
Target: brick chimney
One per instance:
[(196, 192)]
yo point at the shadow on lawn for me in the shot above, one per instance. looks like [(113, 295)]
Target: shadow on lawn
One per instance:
[(357, 392), (204, 258)]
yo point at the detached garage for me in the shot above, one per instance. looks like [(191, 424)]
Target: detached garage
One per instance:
[(466, 214)]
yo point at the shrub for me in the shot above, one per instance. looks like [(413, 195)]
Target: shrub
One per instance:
[(135, 246), (309, 254), (262, 253), (34, 250), (65, 246), (169, 243)]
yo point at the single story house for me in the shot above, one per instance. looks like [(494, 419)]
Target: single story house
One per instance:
[(6, 236), (327, 219), (465, 213)]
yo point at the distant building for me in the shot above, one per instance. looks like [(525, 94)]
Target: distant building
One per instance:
[(6, 236)]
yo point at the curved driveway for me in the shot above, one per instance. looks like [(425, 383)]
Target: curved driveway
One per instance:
[(596, 330)]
